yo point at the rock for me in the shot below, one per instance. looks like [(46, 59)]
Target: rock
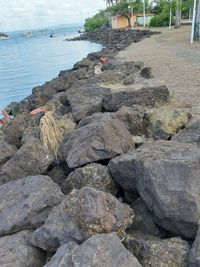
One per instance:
[(143, 221), (194, 255), (105, 250), (151, 252), (92, 175), (167, 175), (15, 129), (95, 117), (42, 94), (82, 214), (132, 118), (30, 133), (6, 152), (146, 73), (58, 173), (16, 251), (103, 139), (15, 108), (149, 96), (115, 40), (110, 77), (31, 159), (26, 203), (86, 100), (164, 123), (191, 133), (128, 80), (122, 169)]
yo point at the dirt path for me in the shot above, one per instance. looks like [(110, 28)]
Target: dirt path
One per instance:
[(173, 60)]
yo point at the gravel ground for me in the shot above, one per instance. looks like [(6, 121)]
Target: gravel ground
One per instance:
[(174, 62)]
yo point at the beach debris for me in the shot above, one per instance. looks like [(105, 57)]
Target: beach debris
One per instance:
[(104, 59), (6, 118), (50, 133)]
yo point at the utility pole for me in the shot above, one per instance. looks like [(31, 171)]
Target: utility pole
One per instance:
[(193, 22), (144, 14)]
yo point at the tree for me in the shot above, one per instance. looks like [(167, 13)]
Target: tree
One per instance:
[(197, 23)]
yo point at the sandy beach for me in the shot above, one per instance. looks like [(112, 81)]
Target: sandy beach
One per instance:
[(173, 60)]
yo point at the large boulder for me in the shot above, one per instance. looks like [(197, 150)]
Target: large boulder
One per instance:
[(132, 118), (191, 133), (15, 129), (103, 139), (154, 252), (15, 250), (31, 159), (42, 94), (6, 152), (167, 175), (26, 203), (194, 255), (85, 100), (122, 169), (149, 96), (82, 214), (105, 250), (92, 175), (164, 123), (143, 221)]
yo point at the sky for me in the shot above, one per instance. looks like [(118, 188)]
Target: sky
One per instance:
[(31, 14)]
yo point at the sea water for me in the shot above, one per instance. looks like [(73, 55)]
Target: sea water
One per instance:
[(29, 62)]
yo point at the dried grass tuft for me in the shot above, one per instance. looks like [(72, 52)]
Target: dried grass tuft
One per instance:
[(50, 132)]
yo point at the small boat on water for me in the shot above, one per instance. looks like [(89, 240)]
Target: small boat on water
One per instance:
[(28, 35), (3, 36)]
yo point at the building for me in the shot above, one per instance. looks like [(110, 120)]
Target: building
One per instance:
[(118, 22)]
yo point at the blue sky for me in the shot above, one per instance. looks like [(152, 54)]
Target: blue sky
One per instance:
[(29, 14)]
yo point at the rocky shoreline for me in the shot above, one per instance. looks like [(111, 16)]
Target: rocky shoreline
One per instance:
[(124, 187)]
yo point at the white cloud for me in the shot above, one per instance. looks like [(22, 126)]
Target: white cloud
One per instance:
[(23, 14)]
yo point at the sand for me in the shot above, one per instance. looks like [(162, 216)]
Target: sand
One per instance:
[(174, 61)]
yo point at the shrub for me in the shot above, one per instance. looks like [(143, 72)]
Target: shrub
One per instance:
[(96, 22)]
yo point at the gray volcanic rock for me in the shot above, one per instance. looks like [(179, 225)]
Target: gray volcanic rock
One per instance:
[(82, 214), (168, 181), (6, 152), (15, 129), (194, 255), (86, 100), (191, 133), (92, 175), (132, 118), (103, 139), (152, 252), (146, 73), (122, 169), (143, 219), (26, 203), (31, 159), (42, 94), (15, 251), (95, 117), (146, 97), (166, 175), (105, 250)]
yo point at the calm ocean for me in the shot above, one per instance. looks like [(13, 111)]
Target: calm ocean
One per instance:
[(29, 62)]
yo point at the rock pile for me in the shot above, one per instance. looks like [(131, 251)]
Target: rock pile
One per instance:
[(124, 189)]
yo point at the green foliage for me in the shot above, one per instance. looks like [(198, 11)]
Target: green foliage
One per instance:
[(162, 11), (96, 22)]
